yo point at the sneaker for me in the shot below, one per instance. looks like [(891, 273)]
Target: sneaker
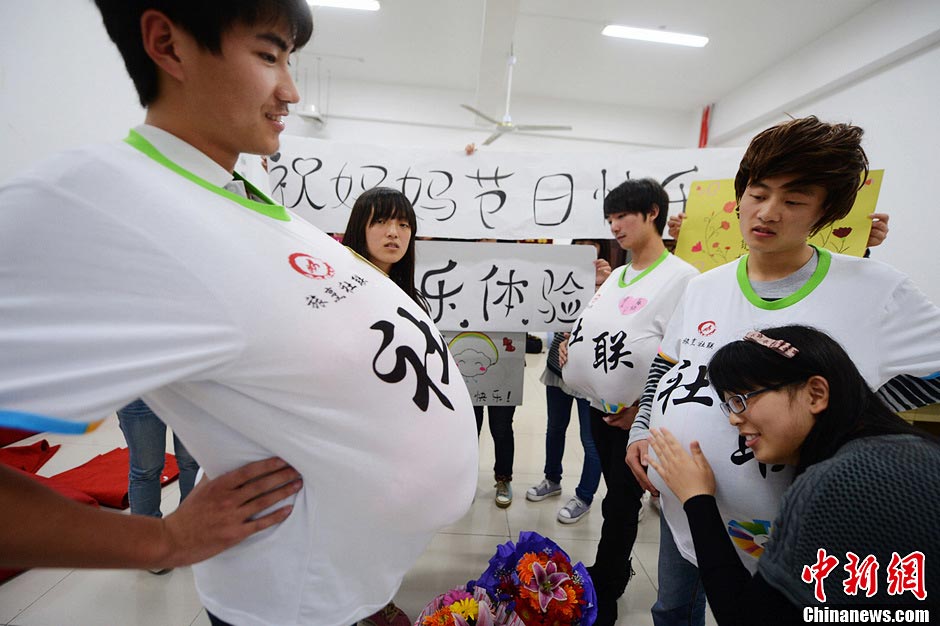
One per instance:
[(503, 494), (544, 489), (573, 511), (391, 615)]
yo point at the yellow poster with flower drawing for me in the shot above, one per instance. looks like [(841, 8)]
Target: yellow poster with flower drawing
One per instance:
[(711, 235)]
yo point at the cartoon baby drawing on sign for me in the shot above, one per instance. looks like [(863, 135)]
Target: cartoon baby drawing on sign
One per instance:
[(474, 352)]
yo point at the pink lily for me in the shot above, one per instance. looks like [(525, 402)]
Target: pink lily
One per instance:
[(547, 582)]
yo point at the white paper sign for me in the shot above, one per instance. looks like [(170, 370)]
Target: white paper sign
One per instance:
[(491, 363), (504, 286), (501, 195)]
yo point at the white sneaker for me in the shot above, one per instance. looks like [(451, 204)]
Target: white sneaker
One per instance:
[(573, 511), (544, 489)]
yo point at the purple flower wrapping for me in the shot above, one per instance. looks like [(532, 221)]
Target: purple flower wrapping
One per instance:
[(501, 579)]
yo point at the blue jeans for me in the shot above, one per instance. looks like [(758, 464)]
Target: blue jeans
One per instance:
[(145, 435), (558, 404), (503, 440), (681, 597)]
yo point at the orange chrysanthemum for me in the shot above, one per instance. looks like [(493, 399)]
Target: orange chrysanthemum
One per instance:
[(530, 599), (569, 607), (441, 617), (524, 567)]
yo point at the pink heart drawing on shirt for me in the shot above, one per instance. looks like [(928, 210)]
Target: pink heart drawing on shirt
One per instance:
[(631, 305)]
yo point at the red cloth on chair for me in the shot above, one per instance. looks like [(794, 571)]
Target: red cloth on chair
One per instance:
[(28, 458), (105, 477), (11, 435)]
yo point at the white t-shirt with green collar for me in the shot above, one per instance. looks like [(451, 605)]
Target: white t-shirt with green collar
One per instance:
[(887, 326), (252, 334), (618, 335)]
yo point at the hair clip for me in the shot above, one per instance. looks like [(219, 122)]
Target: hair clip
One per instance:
[(779, 346)]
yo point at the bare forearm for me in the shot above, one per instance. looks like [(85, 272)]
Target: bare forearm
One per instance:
[(51, 530)]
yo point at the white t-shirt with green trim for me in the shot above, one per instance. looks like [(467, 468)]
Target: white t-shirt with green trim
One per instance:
[(252, 334), (887, 326), (617, 336)]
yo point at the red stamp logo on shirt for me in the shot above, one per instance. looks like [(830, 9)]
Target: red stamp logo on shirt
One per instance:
[(310, 267), (707, 328)]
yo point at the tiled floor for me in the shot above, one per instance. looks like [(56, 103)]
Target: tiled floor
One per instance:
[(457, 554)]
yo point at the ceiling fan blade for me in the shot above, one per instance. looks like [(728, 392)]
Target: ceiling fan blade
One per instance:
[(493, 138), (480, 114), (541, 127)]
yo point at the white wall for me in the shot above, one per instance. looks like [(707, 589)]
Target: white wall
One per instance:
[(62, 82), (883, 34)]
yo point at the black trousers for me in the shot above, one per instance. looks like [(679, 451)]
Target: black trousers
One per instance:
[(621, 506), (503, 440)]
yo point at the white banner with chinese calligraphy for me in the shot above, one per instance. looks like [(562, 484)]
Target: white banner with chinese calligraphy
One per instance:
[(504, 286), (491, 363), (503, 195)]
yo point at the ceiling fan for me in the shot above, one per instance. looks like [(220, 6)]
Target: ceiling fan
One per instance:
[(506, 126)]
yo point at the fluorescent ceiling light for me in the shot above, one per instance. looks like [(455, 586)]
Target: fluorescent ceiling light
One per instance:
[(362, 5), (659, 36)]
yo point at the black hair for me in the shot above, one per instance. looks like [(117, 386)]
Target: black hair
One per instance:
[(205, 21), (817, 153), (383, 203), (853, 411), (639, 195)]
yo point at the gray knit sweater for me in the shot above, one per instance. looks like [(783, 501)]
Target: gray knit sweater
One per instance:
[(875, 496)]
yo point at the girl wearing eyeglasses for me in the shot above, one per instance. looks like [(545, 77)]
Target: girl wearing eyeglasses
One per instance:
[(866, 492)]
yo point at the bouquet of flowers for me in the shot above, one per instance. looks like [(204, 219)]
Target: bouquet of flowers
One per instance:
[(535, 579), (459, 607)]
